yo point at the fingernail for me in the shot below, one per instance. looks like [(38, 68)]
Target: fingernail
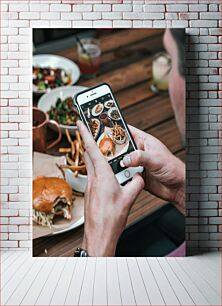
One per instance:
[(127, 160)]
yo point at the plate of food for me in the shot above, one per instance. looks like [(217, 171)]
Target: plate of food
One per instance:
[(95, 127), (119, 135), (113, 113), (97, 109), (58, 103), (56, 207), (109, 104), (109, 148), (51, 71), (74, 170)]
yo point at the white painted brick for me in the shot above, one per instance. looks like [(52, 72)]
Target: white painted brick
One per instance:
[(24, 229), (4, 7), (4, 102), (25, 47), (24, 212), (177, 8), (213, 7), (162, 24), (187, 16), (10, 142), (121, 7), (9, 126), (203, 23), (137, 8), (9, 31), (179, 23), (39, 23), (60, 7), (154, 8), (18, 23), (4, 220), (19, 118), (122, 23), (9, 244), (18, 236), (4, 236), (50, 16), (112, 15), (29, 15), (39, 7), (171, 16), (138, 15), (19, 71), (9, 63), (102, 7), (147, 23), (9, 212), (71, 16), (25, 31), (137, 23), (9, 78), (19, 220), (102, 24), (25, 244), (82, 7), (13, 47), (198, 8), (9, 94), (60, 24), (19, 7), (17, 39), (207, 15), (92, 15), (19, 102)]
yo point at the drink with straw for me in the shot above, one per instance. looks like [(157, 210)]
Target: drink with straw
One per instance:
[(89, 54)]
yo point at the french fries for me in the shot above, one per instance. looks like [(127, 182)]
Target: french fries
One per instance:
[(74, 155)]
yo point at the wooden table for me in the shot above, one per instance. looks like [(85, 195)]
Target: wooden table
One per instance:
[(126, 66)]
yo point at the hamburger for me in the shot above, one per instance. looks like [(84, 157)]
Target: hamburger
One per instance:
[(107, 146), (52, 196)]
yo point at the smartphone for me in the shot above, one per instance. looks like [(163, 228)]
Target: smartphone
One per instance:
[(100, 112)]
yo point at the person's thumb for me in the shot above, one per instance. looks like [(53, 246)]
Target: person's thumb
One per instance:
[(135, 159), (133, 188)]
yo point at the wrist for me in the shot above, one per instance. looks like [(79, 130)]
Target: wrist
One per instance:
[(98, 248)]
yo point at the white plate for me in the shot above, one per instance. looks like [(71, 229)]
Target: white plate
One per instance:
[(49, 99), (110, 111), (99, 126), (94, 110), (119, 148), (55, 61), (106, 104), (45, 165)]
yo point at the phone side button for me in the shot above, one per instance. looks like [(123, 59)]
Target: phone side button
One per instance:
[(127, 173)]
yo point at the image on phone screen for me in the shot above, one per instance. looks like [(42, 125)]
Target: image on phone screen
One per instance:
[(108, 129)]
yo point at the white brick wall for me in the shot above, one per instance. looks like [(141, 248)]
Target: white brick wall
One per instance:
[(201, 19)]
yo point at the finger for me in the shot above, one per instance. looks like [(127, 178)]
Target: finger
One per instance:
[(89, 165), (91, 147), (137, 158), (133, 188)]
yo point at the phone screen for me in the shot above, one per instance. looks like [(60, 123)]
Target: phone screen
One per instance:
[(108, 128)]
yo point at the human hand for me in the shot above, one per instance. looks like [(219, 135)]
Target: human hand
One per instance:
[(107, 203), (164, 172)]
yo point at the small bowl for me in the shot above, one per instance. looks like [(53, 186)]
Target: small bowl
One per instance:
[(78, 183)]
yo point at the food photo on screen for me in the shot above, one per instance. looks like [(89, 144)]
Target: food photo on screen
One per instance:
[(80, 206)]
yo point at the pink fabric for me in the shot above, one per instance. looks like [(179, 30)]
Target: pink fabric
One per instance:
[(179, 252)]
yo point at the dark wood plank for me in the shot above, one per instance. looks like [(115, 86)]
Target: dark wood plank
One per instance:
[(168, 133), (148, 113), (124, 77), (134, 94), (116, 40)]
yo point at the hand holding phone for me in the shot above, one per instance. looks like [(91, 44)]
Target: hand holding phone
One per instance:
[(101, 114)]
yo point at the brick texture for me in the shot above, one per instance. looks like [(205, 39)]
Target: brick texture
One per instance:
[(201, 19)]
